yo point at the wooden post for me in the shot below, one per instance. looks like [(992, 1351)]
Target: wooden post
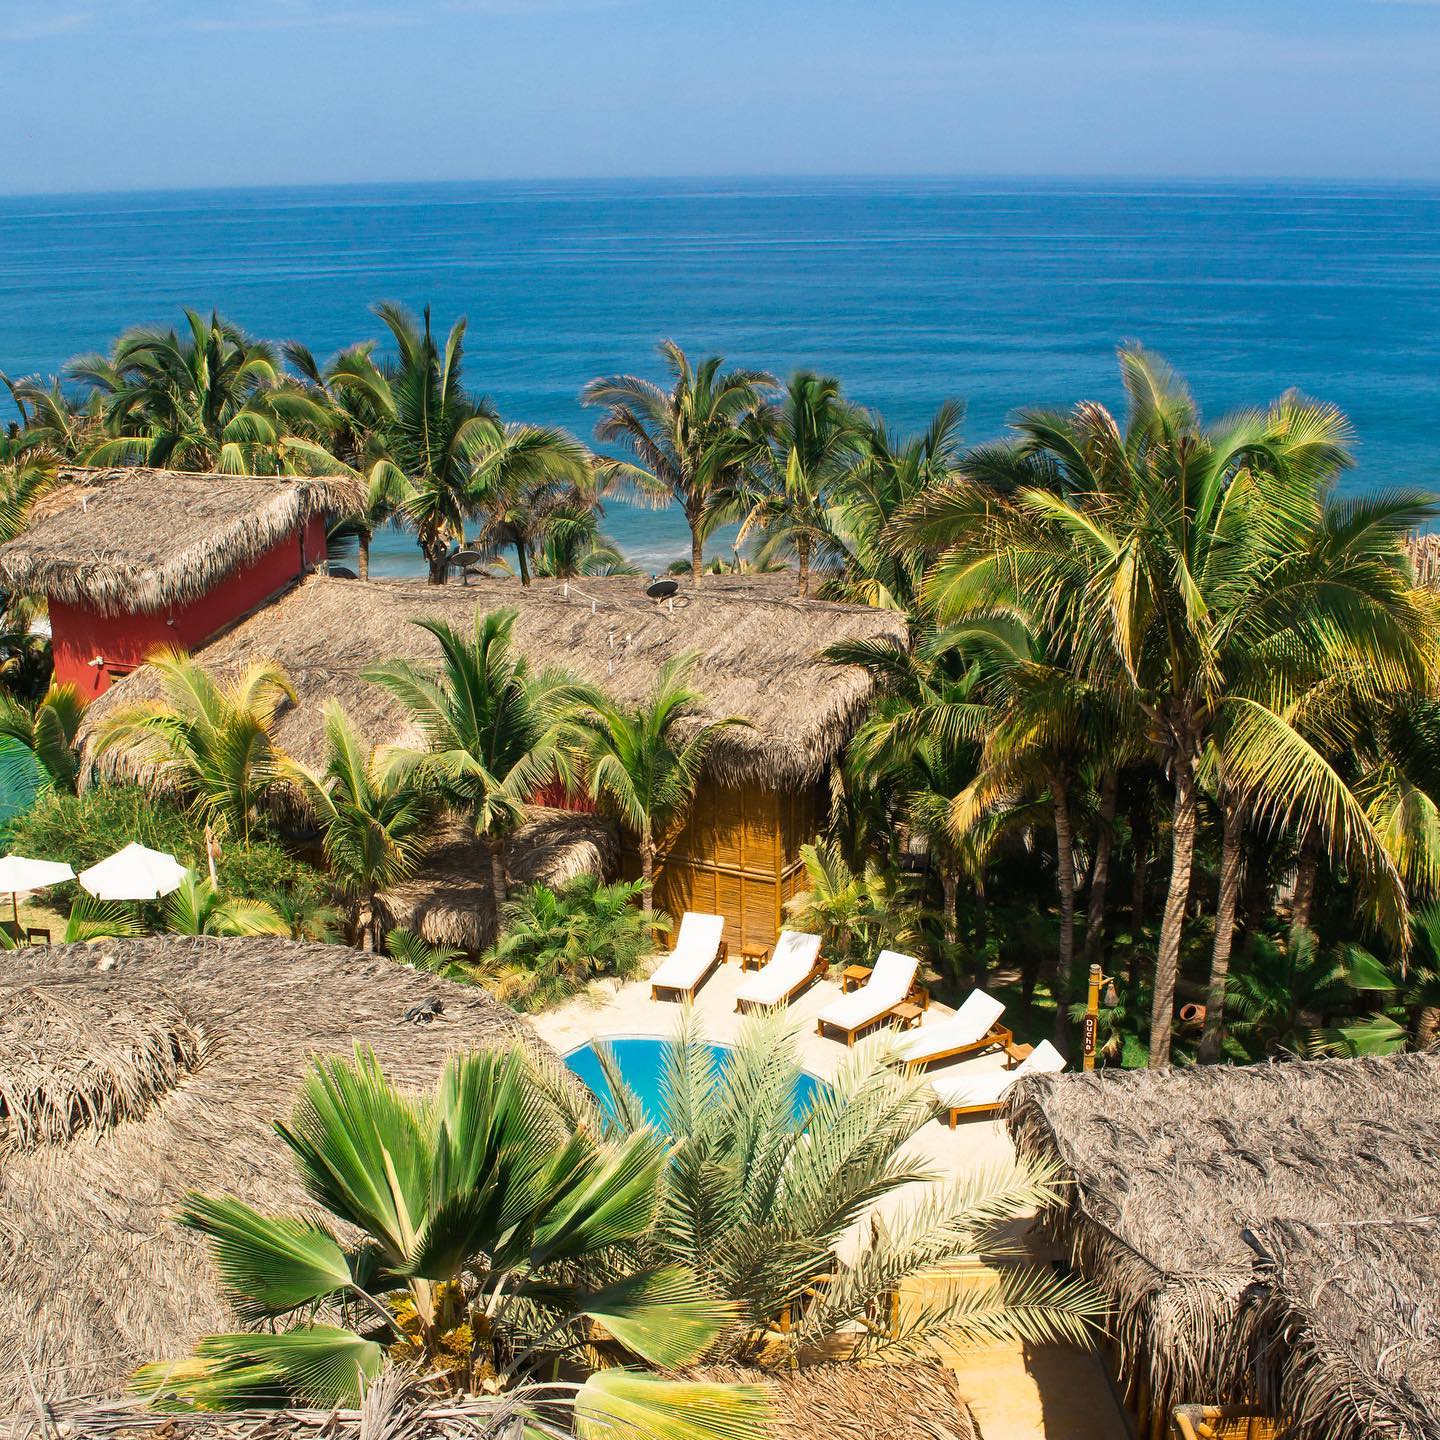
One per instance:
[(1092, 1016)]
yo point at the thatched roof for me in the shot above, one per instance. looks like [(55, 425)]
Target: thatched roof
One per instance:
[(759, 657), (1424, 553), (1346, 1327), (824, 1402), (95, 1276), (1170, 1167), (142, 540), (449, 901)]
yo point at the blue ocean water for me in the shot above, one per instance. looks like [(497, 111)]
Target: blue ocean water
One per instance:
[(641, 1062), (1002, 293)]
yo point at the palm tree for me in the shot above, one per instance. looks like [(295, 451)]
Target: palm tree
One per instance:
[(212, 742), (1203, 577), (49, 731), (756, 1199), (375, 820), (856, 914), (496, 731), (211, 398), (688, 442), (483, 1246), (574, 546), (198, 908), (643, 763), (803, 448)]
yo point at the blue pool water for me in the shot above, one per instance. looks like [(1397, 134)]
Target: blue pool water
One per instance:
[(1000, 292), (641, 1063)]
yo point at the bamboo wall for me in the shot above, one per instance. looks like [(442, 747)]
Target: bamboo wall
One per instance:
[(738, 856)]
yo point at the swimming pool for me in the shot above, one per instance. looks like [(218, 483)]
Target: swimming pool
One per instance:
[(641, 1061)]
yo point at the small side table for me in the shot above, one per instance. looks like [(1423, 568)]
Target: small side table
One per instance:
[(1016, 1053), (907, 1015), (853, 976), (753, 956)]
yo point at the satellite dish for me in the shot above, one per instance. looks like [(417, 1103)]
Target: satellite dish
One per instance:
[(662, 589), (463, 559), (342, 572)]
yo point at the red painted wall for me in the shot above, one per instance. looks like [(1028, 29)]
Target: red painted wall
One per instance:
[(78, 635)]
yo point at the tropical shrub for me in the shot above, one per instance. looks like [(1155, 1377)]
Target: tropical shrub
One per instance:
[(555, 944), (858, 915), (200, 907), (408, 948), (755, 1200), (483, 1244)]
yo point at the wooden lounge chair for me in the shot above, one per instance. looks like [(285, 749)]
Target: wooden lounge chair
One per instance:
[(890, 984), (974, 1027), (793, 965), (699, 948), (983, 1094)]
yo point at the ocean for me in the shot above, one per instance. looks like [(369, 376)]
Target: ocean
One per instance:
[(1001, 293)]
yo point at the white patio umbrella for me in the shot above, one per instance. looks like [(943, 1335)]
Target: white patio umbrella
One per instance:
[(17, 874), (134, 873)]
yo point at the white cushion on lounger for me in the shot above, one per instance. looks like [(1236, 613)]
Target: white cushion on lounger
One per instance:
[(695, 949), (790, 962), (968, 1025), (887, 987), (956, 1090)]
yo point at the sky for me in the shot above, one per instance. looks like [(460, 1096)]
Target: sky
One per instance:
[(146, 94)]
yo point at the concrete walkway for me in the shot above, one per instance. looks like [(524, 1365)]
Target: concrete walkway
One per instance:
[(1017, 1392)]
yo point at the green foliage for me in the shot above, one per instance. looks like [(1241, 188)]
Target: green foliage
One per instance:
[(554, 945), (199, 907), (756, 1201), (408, 948), (48, 729), (858, 915), (480, 1234)]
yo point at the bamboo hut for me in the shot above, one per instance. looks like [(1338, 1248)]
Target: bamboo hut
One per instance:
[(135, 1070), (760, 657), (1343, 1326), (1168, 1169), (131, 560)]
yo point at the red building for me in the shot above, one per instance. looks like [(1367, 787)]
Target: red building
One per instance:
[(132, 561)]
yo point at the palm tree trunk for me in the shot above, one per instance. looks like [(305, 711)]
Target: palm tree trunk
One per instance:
[(697, 554), (1427, 1026), (802, 555), (1305, 873), (982, 935), (647, 874), (362, 559), (1065, 878), (1230, 856), (950, 890), (1167, 960), (497, 877), (1100, 871), (523, 560)]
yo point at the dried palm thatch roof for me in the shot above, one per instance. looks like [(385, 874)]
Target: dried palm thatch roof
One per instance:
[(1424, 553), (759, 657), (141, 540), (1169, 1167), (449, 901), (827, 1402), (1345, 1324), (95, 1276)]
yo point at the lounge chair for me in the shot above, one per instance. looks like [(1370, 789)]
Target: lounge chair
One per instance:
[(699, 947), (984, 1093), (974, 1026), (889, 984), (793, 964)]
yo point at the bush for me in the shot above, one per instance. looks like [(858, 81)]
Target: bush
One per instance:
[(556, 944)]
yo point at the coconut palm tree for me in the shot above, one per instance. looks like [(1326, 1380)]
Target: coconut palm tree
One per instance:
[(756, 1199), (53, 425), (1203, 577), (483, 1247), (688, 442), (856, 913), (496, 731), (49, 731), (199, 908), (210, 398), (375, 821), (213, 743), (574, 546), (803, 447), (643, 762)]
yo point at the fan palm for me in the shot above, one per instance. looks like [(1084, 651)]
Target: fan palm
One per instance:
[(212, 742), (688, 442), (1202, 575), (483, 1246), (198, 908), (644, 762), (496, 731), (756, 1199), (803, 447), (375, 821), (207, 398), (49, 731)]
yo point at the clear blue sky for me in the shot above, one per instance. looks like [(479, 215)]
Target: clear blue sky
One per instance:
[(122, 94)]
